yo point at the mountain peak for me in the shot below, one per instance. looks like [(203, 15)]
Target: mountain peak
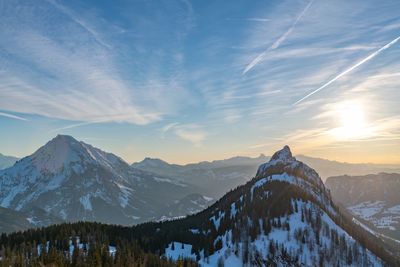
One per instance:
[(283, 162), (63, 136), (284, 154)]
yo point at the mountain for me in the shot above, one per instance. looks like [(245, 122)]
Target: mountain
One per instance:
[(327, 168), (75, 181), (212, 178), (371, 198), (217, 177), (7, 161), (284, 216)]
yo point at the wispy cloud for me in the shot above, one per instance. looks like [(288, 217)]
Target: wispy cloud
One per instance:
[(251, 19), (65, 69), (72, 126), (188, 132), (278, 42), (79, 21), (194, 136), (371, 56)]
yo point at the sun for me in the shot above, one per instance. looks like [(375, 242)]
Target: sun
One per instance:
[(352, 121)]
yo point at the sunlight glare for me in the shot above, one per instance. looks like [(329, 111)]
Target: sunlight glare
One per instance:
[(353, 124)]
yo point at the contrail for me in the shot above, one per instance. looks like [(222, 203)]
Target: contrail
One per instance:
[(350, 69), (278, 42), (12, 116)]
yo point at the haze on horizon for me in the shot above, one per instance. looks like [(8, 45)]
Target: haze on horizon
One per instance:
[(189, 81)]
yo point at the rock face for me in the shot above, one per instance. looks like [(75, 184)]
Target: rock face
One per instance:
[(372, 198), (74, 181)]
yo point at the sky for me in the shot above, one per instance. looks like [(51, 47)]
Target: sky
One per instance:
[(188, 81)]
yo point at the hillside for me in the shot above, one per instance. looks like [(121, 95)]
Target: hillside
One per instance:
[(371, 198)]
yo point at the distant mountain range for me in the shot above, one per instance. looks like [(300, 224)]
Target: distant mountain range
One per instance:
[(7, 161), (219, 176), (372, 199), (74, 181), (284, 216)]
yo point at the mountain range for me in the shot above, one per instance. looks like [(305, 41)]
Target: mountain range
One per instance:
[(284, 216), (73, 181), (92, 185), (217, 177)]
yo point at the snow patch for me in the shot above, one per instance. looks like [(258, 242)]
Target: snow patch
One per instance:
[(85, 201), (177, 250)]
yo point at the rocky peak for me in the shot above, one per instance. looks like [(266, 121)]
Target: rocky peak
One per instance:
[(283, 155), (283, 162)]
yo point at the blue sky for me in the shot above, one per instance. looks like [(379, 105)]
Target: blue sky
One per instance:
[(200, 80)]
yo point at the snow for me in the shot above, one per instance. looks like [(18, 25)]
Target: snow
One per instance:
[(166, 180), (85, 201), (378, 214), (124, 195), (195, 231), (367, 209), (208, 198), (179, 252), (81, 246), (281, 236), (217, 221), (394, 209), (233, 210), (112, 250)]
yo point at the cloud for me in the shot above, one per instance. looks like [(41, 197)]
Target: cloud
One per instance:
[(278, 42), (71, 126), (371, 56), (188, 132), (256, 19), (79, 21), (194, 136), (11, 116), (64, 69)]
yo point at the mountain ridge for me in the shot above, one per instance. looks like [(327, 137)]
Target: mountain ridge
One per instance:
[(88, 184), (284, 216)]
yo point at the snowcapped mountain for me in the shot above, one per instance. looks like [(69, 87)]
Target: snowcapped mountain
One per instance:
[(371, 198), (284, 216), (76, 181), (6, 161)]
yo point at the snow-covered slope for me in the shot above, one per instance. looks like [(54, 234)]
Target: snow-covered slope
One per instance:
[(76, 181), (284, 216), (373, 198)]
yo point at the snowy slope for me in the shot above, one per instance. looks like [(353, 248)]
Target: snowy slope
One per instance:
[(373, 198), (284, 217), (76, 181)]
